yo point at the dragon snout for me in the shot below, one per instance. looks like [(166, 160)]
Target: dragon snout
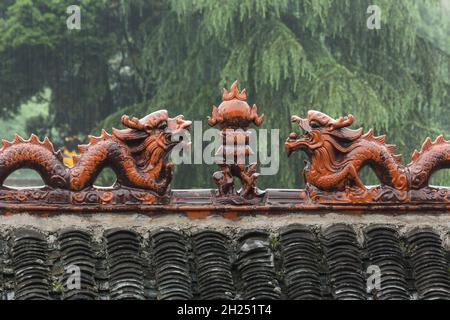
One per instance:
[(295, 142), (289, 144), (179, 132), (186, 124), (182, 124)]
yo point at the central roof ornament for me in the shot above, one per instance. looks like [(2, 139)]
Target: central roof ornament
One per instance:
[(234, 117), (234, 111)]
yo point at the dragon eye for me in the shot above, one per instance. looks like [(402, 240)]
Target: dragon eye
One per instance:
[(314, 124), (162, 125)]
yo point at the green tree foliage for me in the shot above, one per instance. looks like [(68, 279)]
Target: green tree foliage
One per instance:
[(138, 56), (37, 51)]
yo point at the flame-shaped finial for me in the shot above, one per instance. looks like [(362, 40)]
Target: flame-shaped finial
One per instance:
[(234, 93)]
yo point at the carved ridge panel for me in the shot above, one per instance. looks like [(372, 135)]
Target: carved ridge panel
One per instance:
[(139, 153)]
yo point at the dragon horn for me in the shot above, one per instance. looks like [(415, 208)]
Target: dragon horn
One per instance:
[(133, 123), (302, 123), (295, 119), (343, 122)]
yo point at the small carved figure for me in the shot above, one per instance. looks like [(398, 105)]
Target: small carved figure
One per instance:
[(336, 154), (138, 155), (224, 180), (248, 176)]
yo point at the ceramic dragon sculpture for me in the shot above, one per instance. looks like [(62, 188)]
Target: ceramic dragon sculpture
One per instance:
[(336, 154), (137, 154)]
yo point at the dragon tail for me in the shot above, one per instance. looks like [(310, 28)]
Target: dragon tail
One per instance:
[(33, 154), (433, 156)]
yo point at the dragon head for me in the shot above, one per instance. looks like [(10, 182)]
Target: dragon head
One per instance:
[(318, 128), (150, 139)]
